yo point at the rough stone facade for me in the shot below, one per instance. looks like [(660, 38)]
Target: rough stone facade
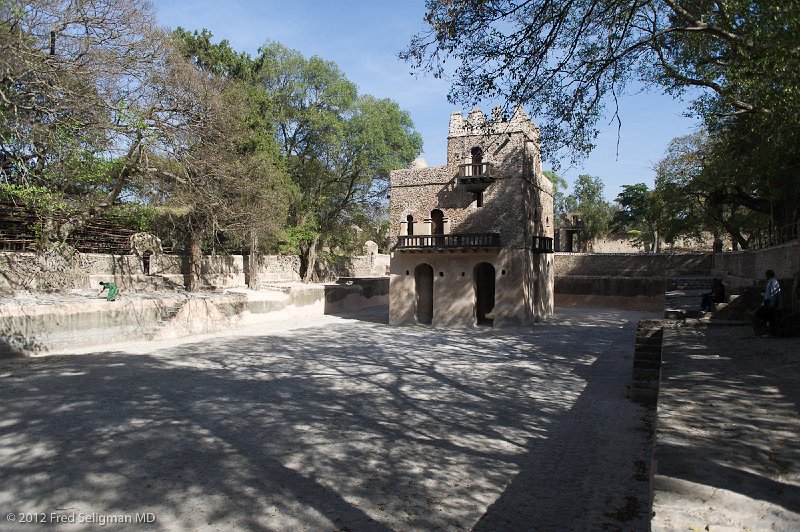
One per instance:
[(492, 186)]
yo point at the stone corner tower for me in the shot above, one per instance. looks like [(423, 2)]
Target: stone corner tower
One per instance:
[(472, 240)]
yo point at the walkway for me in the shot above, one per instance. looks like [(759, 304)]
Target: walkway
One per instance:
[(336, 424), (728, 451)]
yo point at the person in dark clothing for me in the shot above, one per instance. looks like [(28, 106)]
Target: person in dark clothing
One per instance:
[(717, 295)]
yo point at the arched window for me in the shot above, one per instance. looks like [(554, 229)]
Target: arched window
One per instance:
[(410, 220), (477, 161), (437, 222)]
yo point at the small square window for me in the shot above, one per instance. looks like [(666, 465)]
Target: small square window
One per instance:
[(502, 272), (406, 272), (441, 274)]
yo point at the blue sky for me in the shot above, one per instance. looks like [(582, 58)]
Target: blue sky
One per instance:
[(363, 38)]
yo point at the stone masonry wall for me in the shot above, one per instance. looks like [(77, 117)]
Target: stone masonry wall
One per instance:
[(632, 265), (518, 205), (747, 266), (53, 272)]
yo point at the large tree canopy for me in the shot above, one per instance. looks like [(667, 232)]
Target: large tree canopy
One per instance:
[(339, 146), (567, 59)]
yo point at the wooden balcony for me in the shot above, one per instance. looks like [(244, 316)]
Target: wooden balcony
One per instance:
[(455, 242), (476, 177), (542, 244)]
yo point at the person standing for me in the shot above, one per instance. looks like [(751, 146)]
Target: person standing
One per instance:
[(769, 312)]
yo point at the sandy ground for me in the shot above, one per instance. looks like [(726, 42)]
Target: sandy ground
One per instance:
[(333, 424)]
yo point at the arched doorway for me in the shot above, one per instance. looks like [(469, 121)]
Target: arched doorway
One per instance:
[(146, 261), (410, 222), (484, 293), (437, 222), (423, 284)]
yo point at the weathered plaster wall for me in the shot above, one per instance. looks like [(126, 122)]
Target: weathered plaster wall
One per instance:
[(454, 287), (349, 294), (76, 320)]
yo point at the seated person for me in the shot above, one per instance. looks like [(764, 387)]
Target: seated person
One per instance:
[(717, 295)]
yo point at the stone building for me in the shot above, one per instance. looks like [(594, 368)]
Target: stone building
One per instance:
[(472, 241)]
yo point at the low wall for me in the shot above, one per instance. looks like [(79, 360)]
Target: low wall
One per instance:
[(623, 280), (45, 323), (349, 294), (634, 293), (741, 268), (54, 272), (632, 264)]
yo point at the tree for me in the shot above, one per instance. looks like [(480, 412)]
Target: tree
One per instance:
[(74, 96), (567, 59), (248, 171), (595, 212), (699, 187), (638, 214), (339, 146), (559, 198)]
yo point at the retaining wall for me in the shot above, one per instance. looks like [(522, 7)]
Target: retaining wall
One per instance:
[(632, 264), (741, 268), (45, 323), (54, 272), (628, 281), (350, 294)]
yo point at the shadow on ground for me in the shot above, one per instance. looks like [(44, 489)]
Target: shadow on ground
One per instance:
[(729, 422), (354, 426)]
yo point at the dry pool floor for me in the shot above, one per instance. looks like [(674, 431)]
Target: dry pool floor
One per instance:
[(334, 424)]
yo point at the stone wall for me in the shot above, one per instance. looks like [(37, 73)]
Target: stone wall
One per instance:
[(54, 272), (633, 264), (741, 268), (630, 281), (47, 323), (518, 204), (351, 294)]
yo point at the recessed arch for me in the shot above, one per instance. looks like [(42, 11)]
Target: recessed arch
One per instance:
[(146, 256), (476, 154), (437, 222), (423, 289), (410, 224), (484, 277)]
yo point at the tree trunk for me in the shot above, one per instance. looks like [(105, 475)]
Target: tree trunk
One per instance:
[(195, 260), (252, 263), (308, 259)]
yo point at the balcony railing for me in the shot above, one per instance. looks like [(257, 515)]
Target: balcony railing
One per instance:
[(542, 244), (476, 176), (448, 242)]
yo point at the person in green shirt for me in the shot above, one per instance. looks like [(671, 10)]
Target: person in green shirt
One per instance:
[(112, 290)]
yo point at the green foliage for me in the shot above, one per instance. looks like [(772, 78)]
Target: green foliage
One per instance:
[(595, 212), (339, 146), (40, 199), (559, 198), (218, 59), (569, 60), (135, 216), (292, 237)]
